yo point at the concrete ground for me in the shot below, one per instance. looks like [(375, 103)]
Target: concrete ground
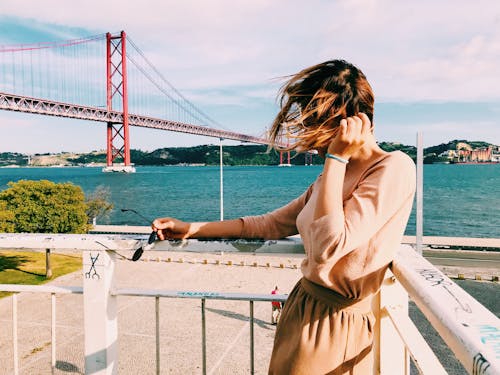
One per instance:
[(180, 319)]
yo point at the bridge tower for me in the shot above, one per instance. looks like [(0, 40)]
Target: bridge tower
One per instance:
[(287, 164), (118, 142)]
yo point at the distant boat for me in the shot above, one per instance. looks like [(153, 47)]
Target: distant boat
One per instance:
[(285, 165)]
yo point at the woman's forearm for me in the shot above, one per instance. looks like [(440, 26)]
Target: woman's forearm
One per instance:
[(330, 198), (217, 229)]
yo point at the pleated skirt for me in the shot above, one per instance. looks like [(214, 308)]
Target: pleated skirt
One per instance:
[(323, 332)]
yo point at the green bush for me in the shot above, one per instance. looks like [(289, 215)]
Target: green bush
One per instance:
[(43, 207), (6, 218)]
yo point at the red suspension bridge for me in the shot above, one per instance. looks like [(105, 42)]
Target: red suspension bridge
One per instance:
[(104, 78)]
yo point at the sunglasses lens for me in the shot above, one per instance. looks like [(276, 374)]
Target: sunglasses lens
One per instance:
[(137, 255), (152, 238)]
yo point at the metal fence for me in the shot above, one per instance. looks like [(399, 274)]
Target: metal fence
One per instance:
[(470, 330)]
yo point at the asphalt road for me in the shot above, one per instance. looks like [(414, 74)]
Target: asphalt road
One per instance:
[(464, 258)]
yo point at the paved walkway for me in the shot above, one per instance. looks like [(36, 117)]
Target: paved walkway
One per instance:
[(180, 320)]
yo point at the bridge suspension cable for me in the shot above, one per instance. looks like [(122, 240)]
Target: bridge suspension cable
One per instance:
[(182, 101), (71, 78)]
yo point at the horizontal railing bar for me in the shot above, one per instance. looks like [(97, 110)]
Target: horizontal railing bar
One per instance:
[(68, 242), (18, 288), (426, 240), (469, 329), (130, 242), (423, 356), (135, 236), (133, 292)]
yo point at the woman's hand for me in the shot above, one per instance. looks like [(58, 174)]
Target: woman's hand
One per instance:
[(170, 228), (352, 135)]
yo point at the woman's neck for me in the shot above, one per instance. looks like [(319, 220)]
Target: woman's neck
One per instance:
[(367, 153)]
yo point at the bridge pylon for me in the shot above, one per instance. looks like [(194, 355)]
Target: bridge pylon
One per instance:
[(118, 139), (287, 152)]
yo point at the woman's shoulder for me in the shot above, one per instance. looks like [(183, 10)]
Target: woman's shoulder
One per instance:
[(399, 157), (395, 163)]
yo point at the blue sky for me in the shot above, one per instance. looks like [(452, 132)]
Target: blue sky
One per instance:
[(434, 65)]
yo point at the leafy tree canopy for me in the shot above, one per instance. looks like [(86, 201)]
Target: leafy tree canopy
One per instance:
[(43, 207)]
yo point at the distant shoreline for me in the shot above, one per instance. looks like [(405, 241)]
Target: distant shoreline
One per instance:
[(453, 152), (476, 162), (13, 166)]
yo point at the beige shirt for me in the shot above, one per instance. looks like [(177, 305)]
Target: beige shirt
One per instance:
[(349, 257)]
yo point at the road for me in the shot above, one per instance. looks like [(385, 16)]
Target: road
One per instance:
[(464, 258)]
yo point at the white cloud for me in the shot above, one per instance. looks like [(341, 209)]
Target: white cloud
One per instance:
[(408, 49), (228, 53)]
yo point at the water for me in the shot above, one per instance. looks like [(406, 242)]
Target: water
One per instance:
[(459, 200)]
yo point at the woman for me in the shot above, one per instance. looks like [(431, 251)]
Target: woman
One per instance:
[(351, 220)]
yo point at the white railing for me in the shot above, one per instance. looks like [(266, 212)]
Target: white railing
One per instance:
[(157, 294), (469, 329)]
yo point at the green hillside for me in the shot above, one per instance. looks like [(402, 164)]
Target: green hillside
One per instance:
[(233, 155)]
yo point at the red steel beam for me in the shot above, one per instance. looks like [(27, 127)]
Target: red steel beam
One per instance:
[(25, 104)]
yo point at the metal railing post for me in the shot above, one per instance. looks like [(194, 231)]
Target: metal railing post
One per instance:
[(203, 338), (53, 334), (100, 310), (157, 311), (221, 180), (252, 354), (419, 219)]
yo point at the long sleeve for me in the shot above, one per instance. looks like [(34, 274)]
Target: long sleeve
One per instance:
[(383, 195), (277, 224)]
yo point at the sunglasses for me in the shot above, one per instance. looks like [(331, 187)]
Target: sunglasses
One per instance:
[(152, 237)]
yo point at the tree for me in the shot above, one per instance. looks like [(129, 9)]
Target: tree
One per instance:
[(6, 218), (43, 207), (98, 204)]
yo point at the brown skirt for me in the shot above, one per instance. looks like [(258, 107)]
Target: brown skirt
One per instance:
[(322, 332)]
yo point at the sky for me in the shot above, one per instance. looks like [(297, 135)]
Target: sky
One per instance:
[(434, 65)]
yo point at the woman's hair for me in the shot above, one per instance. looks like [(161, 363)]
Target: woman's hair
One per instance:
[(314, 101)]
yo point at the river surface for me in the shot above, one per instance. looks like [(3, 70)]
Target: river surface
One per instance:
[(459, 200)]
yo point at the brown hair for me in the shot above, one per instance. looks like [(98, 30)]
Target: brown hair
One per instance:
[(314, 101)]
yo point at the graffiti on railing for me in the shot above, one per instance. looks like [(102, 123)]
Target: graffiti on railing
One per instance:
[(437, 278), (89, 274), (434, 277), (490, 336), (479, 364)]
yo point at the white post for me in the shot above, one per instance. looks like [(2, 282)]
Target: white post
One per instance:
[(390, 353), (419, 193), (100, 309), (221, 181)]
